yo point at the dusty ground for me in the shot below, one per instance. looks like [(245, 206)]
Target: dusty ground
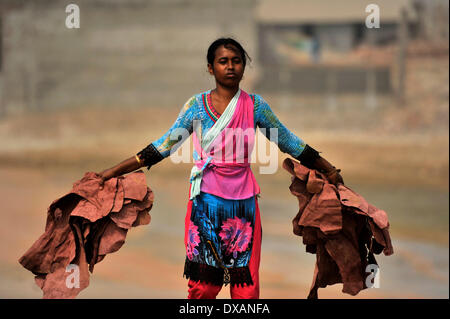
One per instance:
[(403, 171)]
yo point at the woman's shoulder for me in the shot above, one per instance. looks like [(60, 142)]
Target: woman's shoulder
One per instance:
[(257, 99), (193, 101), (197, 98)]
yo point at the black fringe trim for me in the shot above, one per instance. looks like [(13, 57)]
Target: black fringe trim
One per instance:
[(202, 272), (209, 274), (150, 155), (240, 276), (308, 157)]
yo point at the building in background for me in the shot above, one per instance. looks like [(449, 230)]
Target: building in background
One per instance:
[(153, 52), (125, 53), (321, 46)]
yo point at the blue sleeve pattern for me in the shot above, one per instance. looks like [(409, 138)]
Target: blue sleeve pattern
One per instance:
[(184, 121), (288, 142)]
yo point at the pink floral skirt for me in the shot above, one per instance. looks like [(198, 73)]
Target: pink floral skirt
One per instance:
[(219, 238)]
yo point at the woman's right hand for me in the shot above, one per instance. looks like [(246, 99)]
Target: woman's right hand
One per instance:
[(127, 166), (104, 176)]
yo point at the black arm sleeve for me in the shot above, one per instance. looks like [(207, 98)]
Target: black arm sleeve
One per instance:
[(308, 156), (150, 156)]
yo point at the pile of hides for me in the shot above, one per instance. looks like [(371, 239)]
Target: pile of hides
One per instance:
[(339, 226), (84, 226)]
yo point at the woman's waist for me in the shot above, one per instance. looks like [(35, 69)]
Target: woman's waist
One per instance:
[(230, 184), (223, 163), (236, 171)]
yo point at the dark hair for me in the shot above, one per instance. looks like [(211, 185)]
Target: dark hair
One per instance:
[(228, 43)]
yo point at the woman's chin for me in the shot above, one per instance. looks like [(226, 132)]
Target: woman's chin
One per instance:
[(230, 82)]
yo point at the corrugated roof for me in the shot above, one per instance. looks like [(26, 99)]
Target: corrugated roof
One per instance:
[(327, 11)]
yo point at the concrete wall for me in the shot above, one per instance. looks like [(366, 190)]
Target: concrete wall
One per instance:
[(126, 53), (320, 80)]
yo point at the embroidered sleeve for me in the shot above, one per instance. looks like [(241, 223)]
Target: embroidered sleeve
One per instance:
[(265, 119), (173, 138)]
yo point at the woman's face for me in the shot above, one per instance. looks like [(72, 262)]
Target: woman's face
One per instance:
[(228, 67)]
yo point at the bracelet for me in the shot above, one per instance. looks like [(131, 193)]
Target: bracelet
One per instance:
[(137, 159)]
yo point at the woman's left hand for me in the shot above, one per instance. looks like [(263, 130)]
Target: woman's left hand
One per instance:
[(335, 178)]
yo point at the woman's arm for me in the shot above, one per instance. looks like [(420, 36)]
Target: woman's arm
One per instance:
[(127, 166), (147, 157), (159, 149), (291, 144), (311, 159), (175, 135), (266, 120)]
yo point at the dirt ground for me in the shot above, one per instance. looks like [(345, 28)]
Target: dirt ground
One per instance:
[(404, 172)]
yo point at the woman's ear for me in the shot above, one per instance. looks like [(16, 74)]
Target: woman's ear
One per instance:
[(210, 69)]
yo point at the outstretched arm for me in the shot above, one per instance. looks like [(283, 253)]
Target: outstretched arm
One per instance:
[(127, 166), (159, 149), (176, 134), (311, 159), (291, 144)]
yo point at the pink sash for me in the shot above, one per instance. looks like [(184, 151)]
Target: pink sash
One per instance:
[(228, 174)]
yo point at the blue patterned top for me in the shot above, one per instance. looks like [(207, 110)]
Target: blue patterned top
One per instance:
[(198, 108)]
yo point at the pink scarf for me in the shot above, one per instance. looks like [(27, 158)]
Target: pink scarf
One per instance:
[(228, 174)]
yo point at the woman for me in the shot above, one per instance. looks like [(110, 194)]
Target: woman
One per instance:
[(222, 226)]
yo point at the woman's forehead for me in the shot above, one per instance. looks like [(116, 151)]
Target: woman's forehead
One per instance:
[(227, 51)]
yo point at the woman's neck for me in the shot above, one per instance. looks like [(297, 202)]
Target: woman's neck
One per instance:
[(225, 93)]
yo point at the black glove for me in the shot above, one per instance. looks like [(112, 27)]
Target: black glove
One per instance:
[(311, 159)]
